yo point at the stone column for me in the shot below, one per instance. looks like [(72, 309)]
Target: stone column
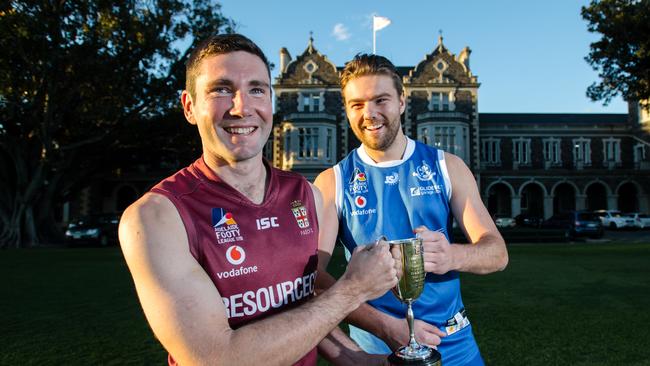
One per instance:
[(581, 201), (548, 206), (612, 202), (515, 206), (643, 203)]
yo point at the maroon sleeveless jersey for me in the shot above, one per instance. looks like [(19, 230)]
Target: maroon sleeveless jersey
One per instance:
[(262, 258)]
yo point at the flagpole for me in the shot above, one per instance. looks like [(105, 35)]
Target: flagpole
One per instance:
[(374, 42)]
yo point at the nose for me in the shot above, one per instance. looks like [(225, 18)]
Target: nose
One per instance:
[(240, 105), (369, 112)]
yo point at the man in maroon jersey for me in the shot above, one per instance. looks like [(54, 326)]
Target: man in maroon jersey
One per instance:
[(224, 252)]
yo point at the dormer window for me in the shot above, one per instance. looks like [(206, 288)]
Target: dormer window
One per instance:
[(441, 101), (311, 101)]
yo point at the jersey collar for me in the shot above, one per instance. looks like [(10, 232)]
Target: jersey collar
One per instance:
[(363, 155)]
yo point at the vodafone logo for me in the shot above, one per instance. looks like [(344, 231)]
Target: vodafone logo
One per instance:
[(360, 201), (235, 255)]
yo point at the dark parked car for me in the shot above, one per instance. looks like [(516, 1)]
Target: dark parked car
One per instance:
[(94, 229), (576, 223), (528, 220)]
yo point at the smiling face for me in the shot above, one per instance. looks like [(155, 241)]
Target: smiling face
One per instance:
[(374, 107), (232, 106)]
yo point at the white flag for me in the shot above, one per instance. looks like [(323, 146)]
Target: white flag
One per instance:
[(379, 23)]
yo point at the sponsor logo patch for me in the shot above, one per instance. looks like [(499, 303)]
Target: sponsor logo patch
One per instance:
[(360, 201), (425, 190), (236, 255), (270, 297)]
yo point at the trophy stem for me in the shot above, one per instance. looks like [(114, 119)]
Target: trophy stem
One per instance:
[(413, 344)]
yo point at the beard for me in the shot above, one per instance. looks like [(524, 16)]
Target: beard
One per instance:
[(382, 142)]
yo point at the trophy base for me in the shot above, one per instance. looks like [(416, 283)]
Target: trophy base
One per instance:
[(433, 359)]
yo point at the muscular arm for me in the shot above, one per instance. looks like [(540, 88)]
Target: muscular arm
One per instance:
[(488, 252), (186, 312)]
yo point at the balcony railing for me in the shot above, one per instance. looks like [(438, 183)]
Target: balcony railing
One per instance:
[(442, 116)]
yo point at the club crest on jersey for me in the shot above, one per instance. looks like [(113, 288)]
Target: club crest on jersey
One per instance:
[(300, 213), (424, 172), (392, 179), (359, 182), (225, 227)]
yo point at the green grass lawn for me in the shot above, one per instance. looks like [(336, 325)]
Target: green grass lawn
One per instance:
[(579, 304)]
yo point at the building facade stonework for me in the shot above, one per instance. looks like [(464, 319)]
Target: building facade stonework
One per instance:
[(538, 164)]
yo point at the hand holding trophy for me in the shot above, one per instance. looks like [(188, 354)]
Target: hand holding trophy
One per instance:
[(408, 254)]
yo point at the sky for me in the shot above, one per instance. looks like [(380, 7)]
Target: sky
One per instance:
[(528, 55)]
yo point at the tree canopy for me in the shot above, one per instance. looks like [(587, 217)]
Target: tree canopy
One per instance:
[(78, 81), (622, 55)]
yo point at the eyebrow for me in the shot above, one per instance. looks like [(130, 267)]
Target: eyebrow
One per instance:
[(382, 95), (228, 82)]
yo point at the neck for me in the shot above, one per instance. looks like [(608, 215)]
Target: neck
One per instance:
[(394, 152), (249, 177)]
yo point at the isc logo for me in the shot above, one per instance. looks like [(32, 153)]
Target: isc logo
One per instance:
[(266, 223)]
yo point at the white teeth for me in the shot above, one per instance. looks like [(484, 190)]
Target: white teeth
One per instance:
[(240, 130), (373, 127)]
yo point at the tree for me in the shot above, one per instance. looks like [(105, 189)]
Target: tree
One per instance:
[(622, 55), (78, 79)]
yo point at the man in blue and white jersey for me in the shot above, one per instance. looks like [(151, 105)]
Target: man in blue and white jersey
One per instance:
[(394, 186)]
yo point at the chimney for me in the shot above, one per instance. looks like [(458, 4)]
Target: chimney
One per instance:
[(464, 56), (285, 58)]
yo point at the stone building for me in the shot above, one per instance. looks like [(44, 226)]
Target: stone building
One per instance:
[(524, 163)]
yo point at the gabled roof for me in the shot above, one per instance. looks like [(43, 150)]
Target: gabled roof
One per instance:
[(309, 68)]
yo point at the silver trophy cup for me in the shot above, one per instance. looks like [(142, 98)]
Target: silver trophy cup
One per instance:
[(408, 254)]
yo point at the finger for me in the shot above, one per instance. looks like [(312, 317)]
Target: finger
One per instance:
[(359, 248), (430, 339), (437, 245), (431, 329), (420, 229)]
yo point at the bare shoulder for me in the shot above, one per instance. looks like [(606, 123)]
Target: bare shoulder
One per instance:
[(151, 221), (459, 172), (318, 196), (326, 182), (455, 164)]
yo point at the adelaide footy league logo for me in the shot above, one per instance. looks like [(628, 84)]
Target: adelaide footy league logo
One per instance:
[(235, 255), (225, 226), (300, 213), (359, 182)]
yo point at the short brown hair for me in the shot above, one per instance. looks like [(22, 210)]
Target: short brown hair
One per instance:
[(218, 45), (364, 64)]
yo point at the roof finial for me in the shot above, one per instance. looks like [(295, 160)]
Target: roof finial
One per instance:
[(440, 36), (311, 42)]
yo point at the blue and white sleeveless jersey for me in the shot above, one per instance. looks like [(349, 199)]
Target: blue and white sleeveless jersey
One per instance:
[(392, 199)]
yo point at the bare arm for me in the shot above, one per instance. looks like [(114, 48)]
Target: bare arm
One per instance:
[(185, 309), (488, 252)]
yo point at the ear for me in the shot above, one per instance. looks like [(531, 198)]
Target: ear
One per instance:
[(402, 104), (188, 107)]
